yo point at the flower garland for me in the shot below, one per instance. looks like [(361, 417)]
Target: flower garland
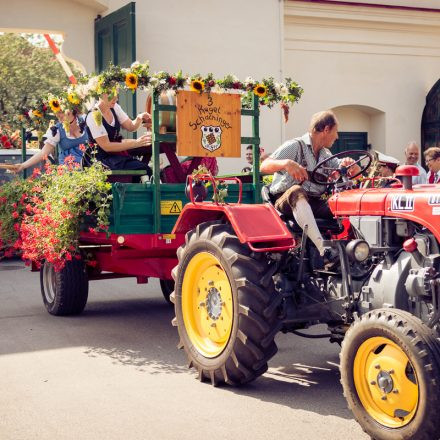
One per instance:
[(138, 76), (37, 118), (77, 97)]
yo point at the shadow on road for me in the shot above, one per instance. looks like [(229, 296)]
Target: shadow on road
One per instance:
[(309, 386), (135, 331), (301, 371)]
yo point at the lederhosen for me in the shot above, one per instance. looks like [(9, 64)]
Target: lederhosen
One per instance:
[(114, 161)]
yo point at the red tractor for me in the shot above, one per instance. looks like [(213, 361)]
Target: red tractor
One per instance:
[(245, 273)]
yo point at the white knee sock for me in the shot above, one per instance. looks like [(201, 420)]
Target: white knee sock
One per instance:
[(304, 216)]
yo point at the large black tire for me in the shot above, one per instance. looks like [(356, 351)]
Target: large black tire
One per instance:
[(249, 304), (64, 292), (167, 287), (401, 402)]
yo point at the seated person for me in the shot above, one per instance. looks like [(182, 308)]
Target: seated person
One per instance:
[(107, 144), (386, 166), (170, 175), (294, 194), (249, 156), (67, 144)]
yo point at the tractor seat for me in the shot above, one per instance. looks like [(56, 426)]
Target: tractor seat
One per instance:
[(324, 225)]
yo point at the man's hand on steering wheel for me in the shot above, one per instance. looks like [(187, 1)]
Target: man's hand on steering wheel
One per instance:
[(326, 174), (353, 168)]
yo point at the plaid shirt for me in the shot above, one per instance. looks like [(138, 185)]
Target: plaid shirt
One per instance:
[(291, 149)]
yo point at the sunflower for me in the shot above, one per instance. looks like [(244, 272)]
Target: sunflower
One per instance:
[(55, 106), (131, 81), (73, 99), (37, 113), (197, 85), (260, 90)]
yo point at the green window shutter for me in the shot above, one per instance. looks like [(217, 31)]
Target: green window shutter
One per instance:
[(115, 41), (350, 141)]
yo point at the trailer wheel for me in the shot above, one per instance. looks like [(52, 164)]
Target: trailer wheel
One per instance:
[(390, 373), (226, 306), (64, 292), (167, 287)]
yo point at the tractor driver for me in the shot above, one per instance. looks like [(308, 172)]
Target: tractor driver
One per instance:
[(290, 163)]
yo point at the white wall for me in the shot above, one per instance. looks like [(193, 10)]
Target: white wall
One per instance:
[(345, 55), (202, 36), (385, 59), (405, 3)]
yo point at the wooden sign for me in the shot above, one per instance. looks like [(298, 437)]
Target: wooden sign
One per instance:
[(208, 124)]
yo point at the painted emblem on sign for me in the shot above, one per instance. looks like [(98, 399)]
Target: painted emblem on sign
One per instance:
[(211, 137), (402, 202)]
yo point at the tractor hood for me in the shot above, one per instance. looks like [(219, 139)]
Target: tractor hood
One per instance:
[(421, 204)]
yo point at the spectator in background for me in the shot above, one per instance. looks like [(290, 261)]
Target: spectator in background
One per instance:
[(386, 166), (432, 159), (412, 154), (249, 155)]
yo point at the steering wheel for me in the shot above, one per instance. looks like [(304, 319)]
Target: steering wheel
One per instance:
[(322, 175)]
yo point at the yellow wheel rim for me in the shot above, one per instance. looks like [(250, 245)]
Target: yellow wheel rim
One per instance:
[(386, 382), (207, 305)]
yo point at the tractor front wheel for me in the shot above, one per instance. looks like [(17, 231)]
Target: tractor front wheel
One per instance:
[(390, 373), (64, 292), (226, 306)]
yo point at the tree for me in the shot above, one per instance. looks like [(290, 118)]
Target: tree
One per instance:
[(27, 72)]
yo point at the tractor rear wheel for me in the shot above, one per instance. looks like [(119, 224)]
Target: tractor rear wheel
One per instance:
[(390, 373), (226, 306), (64, 292)]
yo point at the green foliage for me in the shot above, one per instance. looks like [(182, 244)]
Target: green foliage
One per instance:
[(27, 72)]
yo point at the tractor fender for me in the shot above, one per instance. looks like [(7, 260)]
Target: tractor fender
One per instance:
[(257, 225)]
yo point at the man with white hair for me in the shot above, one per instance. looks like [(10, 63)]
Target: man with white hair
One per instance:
[(412, 157)]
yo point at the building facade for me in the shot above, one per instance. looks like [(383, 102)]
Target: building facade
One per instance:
[(373, 62)]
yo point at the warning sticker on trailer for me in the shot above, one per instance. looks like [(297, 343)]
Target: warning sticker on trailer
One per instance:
[(170, 207)]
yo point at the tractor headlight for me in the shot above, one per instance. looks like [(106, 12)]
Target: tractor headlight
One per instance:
[(358, 250)]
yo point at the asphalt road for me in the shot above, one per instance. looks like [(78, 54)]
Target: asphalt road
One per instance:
[(114, 372)]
